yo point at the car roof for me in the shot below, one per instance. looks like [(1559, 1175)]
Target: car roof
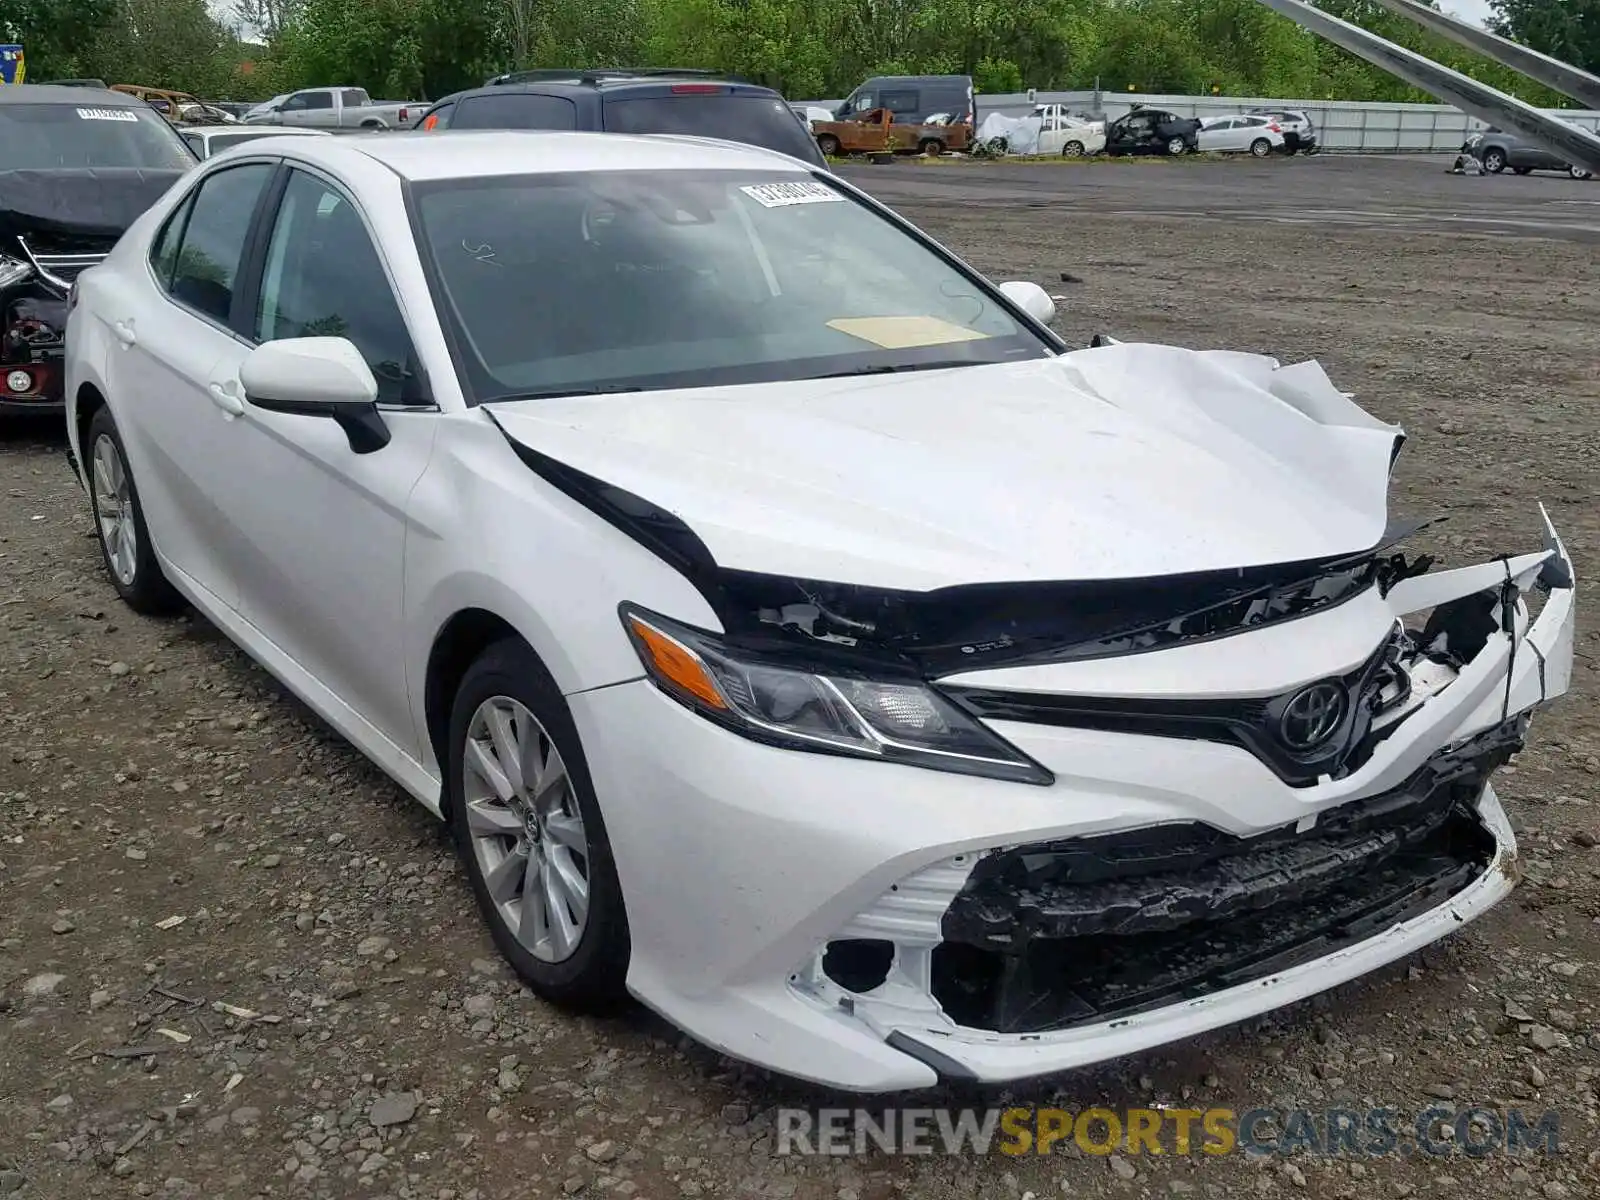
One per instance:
[(77, 97), (475, 154), (578, 84), (255, 131)]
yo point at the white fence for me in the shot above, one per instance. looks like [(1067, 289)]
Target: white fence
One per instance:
[(1342, 125)]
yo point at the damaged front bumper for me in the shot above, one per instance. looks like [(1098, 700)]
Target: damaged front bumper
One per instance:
[(33, 322), (878, 928)]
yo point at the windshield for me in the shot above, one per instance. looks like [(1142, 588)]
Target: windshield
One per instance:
[(655, 279), (51, 137), (755, 120)]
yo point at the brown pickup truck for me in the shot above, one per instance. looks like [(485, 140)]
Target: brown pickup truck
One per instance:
[(874, 132)]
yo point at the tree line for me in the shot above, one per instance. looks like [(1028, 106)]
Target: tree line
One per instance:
[(423, 49)]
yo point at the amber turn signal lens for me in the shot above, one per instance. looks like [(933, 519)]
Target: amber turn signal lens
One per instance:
[(676, 664)]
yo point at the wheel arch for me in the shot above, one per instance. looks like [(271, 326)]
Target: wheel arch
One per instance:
[(459, 643), (87, 401)]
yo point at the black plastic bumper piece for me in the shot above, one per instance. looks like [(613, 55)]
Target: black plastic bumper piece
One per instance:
[(1054, 935)]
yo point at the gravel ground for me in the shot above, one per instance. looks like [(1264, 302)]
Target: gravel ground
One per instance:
[(192, 867)]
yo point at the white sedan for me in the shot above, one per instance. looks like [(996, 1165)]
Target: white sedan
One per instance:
[(1244, 134), (793, 632)]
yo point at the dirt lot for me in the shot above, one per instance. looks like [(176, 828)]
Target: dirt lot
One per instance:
[(148, 772)]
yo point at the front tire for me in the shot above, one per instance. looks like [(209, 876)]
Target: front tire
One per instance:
[(530, 834), (1494, 161), (119, 524)]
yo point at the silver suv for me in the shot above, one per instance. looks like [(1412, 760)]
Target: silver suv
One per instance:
[(1496, 150), (1299, 134)]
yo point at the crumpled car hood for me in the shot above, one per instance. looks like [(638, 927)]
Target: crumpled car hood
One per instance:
[(98, 202), (1120, 461)]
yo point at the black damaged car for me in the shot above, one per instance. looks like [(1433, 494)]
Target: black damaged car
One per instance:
[(77, 166), (1153, 131)]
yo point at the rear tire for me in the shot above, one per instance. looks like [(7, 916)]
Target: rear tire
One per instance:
[(931, 146), (1261, 147), (1072, 150), (1176, 146), (508, 708), (125, 547), (1580, 173), (828, 144)]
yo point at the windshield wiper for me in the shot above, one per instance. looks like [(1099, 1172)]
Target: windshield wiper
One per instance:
[(604, 389), (894, 369)]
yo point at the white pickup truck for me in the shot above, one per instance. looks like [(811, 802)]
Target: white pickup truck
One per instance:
[(1066, 133), (340, 108)]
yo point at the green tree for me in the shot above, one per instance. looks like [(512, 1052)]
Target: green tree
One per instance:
[(1564, 29), (173, 44), (55, 33)]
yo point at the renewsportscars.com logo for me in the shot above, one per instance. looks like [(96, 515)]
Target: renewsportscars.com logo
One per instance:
[(1473, 1131)]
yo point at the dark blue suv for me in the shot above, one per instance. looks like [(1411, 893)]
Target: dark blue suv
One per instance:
[(693, 103)]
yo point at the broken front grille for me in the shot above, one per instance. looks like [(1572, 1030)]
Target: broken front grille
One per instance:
[(1258, 724), (59, 260), (1049, 936)]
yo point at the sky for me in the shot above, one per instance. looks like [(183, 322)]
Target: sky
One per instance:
[(1476, 11)]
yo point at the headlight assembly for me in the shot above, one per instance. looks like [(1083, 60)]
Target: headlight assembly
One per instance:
[(898, 721)]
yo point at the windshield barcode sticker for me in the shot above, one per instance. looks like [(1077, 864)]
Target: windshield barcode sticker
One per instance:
[(107, 114), (776, 195)]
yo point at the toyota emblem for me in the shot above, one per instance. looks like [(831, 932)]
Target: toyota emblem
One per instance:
[(1313, 715)]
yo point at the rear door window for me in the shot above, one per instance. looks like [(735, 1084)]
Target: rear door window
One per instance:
[(754, 120), (515, 110)]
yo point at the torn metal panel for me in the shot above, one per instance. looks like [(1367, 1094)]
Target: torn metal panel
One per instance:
[(1552, 72), (1561, 138)]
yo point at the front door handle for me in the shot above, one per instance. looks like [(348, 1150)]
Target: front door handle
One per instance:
[(124, 332), (225, 398)]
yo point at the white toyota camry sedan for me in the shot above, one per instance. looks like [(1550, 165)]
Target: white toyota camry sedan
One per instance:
[(794, 633)]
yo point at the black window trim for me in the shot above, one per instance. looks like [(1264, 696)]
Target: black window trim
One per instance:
[(186, 208), (252, 270)]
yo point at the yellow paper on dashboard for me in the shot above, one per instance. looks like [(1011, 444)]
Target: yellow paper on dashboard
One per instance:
[(904, 333)]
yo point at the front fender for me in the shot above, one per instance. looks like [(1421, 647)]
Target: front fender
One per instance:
[(487, 533)]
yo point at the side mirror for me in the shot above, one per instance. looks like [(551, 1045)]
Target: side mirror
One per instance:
[(1031, 299), (317, 377)]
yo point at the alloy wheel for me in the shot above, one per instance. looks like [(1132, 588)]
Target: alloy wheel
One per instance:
[(526, 828), (113, 507)]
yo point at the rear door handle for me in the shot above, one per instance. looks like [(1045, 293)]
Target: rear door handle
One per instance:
[(225, 399), (124, 332)]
